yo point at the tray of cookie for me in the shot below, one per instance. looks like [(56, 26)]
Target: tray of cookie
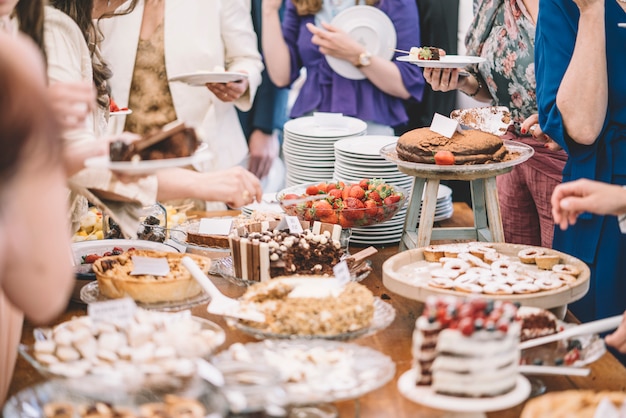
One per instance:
[(532, 276)]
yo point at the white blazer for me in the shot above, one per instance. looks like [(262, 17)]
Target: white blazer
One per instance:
[(198, 35)]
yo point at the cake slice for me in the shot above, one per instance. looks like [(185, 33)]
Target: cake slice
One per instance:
[(175, 140)]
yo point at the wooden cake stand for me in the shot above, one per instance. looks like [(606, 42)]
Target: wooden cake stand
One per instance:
[(418, 225), (408, 285)]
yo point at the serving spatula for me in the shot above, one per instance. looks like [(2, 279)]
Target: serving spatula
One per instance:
[(592, 327), (221, 304)]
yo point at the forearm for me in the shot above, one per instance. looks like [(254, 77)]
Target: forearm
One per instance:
[(386, 76), (275, 50), (473, 87), (178, 183), (582, 98)]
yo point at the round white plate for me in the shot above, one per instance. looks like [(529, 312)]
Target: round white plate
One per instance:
[(370, 27), (307, 127), (148, 166), (83, 248), (426, 396), (121, 112), (200, 78), (447, 61), (364, 145), (359, 369)]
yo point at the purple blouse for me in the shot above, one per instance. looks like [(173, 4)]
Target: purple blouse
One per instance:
[(326, 91)]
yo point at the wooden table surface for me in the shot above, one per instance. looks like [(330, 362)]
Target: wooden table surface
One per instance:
[(395, 341)]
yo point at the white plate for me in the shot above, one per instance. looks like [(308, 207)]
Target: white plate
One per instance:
[(370, 27), (121, 112), (148, 166), (364, 145), (90, 293), (200, 78), (308, 127), (83, 248), (327, 371), (447, 61), (426, 396)]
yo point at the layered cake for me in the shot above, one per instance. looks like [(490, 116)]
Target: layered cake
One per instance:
[(537, 323), (469, 147), (467, 348), (174, 141), (117, 278), (318, 308), (263, 253)]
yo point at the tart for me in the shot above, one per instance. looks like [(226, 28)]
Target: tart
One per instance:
[(115, 280)]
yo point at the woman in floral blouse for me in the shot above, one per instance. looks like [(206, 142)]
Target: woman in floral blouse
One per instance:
[(503, 32)]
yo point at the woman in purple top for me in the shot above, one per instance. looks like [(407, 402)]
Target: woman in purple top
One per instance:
[(306, 37)]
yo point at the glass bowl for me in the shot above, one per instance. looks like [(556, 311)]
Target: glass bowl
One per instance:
[(361, 208), (89, 391)]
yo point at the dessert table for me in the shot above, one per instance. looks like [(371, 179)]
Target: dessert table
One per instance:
[(395, 341)]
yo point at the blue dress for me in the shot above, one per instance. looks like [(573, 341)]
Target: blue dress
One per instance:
[(596, 240), (325, 90)]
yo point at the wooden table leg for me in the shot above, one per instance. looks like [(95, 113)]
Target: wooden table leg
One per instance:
[(493, 210), (477, 188), (408, 240), (427, 217)]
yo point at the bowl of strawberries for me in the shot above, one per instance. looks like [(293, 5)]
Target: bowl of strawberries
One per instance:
[(368, 202)]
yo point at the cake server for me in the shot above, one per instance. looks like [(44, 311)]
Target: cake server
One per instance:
[(493, 119), (221, 304), (554, 370), (593, 327)]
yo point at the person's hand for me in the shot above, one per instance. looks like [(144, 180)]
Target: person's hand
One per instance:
[(618, 338), (571, 199), (531, 125), (235, 186), (72, 103), (336, 43), (74, 155), (263, 150), (444, 79), (229, 92), (584, 5)]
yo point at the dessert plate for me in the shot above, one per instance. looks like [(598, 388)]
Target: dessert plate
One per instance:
[(200, 78), (316, 371), (121, 112), (384, 315), (90, 293), (370, 27), (447, 61), (426, 396), (149, 166)]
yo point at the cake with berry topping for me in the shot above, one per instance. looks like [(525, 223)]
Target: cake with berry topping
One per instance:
[(467, 348), (261, 254), (469, 147)]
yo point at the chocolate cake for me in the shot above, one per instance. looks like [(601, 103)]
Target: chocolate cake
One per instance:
[(174, 141), (469, 147), (264, 254)]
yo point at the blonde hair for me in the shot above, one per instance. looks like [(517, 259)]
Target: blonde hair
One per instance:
[(310, 7)]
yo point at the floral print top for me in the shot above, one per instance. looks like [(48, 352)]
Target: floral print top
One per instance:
[(503, 33)]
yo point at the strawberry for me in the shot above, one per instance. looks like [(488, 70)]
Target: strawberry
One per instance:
[(113, 106), (91, 258), (344, 221), (357, 192), (371, 208), (354, 209), (335, 194), (444, 158), (373, 195), (323, 208), (330, 219), (364, 184), (391, 200), (312, 190), (291, 196)]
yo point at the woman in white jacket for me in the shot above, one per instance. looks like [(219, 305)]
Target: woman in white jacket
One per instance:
[(145, 42)]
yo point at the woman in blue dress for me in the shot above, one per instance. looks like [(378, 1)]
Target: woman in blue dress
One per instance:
[(580, 55)]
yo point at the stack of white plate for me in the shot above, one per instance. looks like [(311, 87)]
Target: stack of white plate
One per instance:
[(308, 145), (359, 158)]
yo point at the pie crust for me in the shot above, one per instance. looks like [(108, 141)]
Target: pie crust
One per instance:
[(115, 280)]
